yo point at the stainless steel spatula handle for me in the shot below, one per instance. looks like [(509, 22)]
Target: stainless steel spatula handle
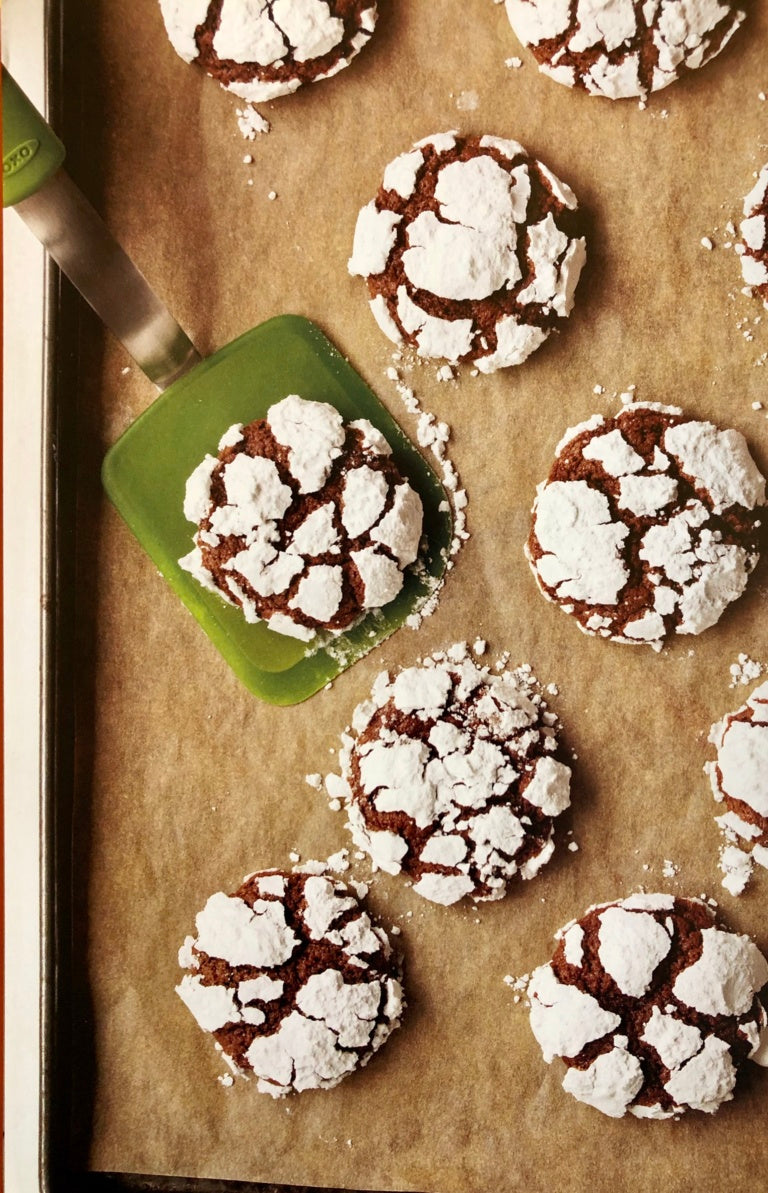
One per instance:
[(67, 225)]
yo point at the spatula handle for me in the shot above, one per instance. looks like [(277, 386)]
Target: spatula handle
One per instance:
[(32, 153), (75, 236)]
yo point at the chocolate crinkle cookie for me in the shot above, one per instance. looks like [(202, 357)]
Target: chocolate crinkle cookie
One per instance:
[(652, 1005), (453, 775), (648, 525), (304, 521), (265, 48), (293, 980), (739, 778), (470, 250), (753, 247), (622, 48)]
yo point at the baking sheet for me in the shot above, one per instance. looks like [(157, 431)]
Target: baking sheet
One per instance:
[(185, 783)]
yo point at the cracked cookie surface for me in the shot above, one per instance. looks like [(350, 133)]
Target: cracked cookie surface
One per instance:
[(453, 775), (304, 521), (753, 248), (267, 48), (652, 1005), (295, 982), (648, 525), (622, 48), (739, 777), (470, 250)]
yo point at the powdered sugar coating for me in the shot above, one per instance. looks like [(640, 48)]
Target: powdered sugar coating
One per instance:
[(619, 48), (262, 49), (451, 773), (649, 524), (293, 979), (652, 1006), (754, 237), (303, 521), (739, 779), (630, 947), (469, 250)]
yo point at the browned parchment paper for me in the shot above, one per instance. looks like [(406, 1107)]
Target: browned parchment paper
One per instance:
[(186, 782)]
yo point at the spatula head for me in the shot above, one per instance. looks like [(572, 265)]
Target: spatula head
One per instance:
[(145, 475)]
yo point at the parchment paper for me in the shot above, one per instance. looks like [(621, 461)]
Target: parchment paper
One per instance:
[(186, 782)]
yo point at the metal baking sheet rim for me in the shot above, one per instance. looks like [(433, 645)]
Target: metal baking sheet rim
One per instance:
[(62, 307)]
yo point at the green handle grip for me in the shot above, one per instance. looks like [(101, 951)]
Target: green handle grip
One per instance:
[(31, 150)]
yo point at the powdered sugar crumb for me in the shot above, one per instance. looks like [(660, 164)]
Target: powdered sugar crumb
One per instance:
[(745, 670), (519, 985), (434, 435), (251, 123), (736, 867), (338, 862)]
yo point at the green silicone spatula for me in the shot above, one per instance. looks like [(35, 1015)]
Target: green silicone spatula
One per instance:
[(145, 472)]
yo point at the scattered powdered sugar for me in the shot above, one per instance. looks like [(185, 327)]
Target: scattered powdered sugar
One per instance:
[(607, 1000), (434, 434), (251, 123), (519, 985), (736, 867), (745, 670)]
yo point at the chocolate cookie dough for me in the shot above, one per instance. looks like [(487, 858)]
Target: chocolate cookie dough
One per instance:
[(453, 775), (303, 521), (622, 48), (648, 525), (652, 1005), (470, 250), (268, 48), (754, 232), (739, 778), (293, 980)]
